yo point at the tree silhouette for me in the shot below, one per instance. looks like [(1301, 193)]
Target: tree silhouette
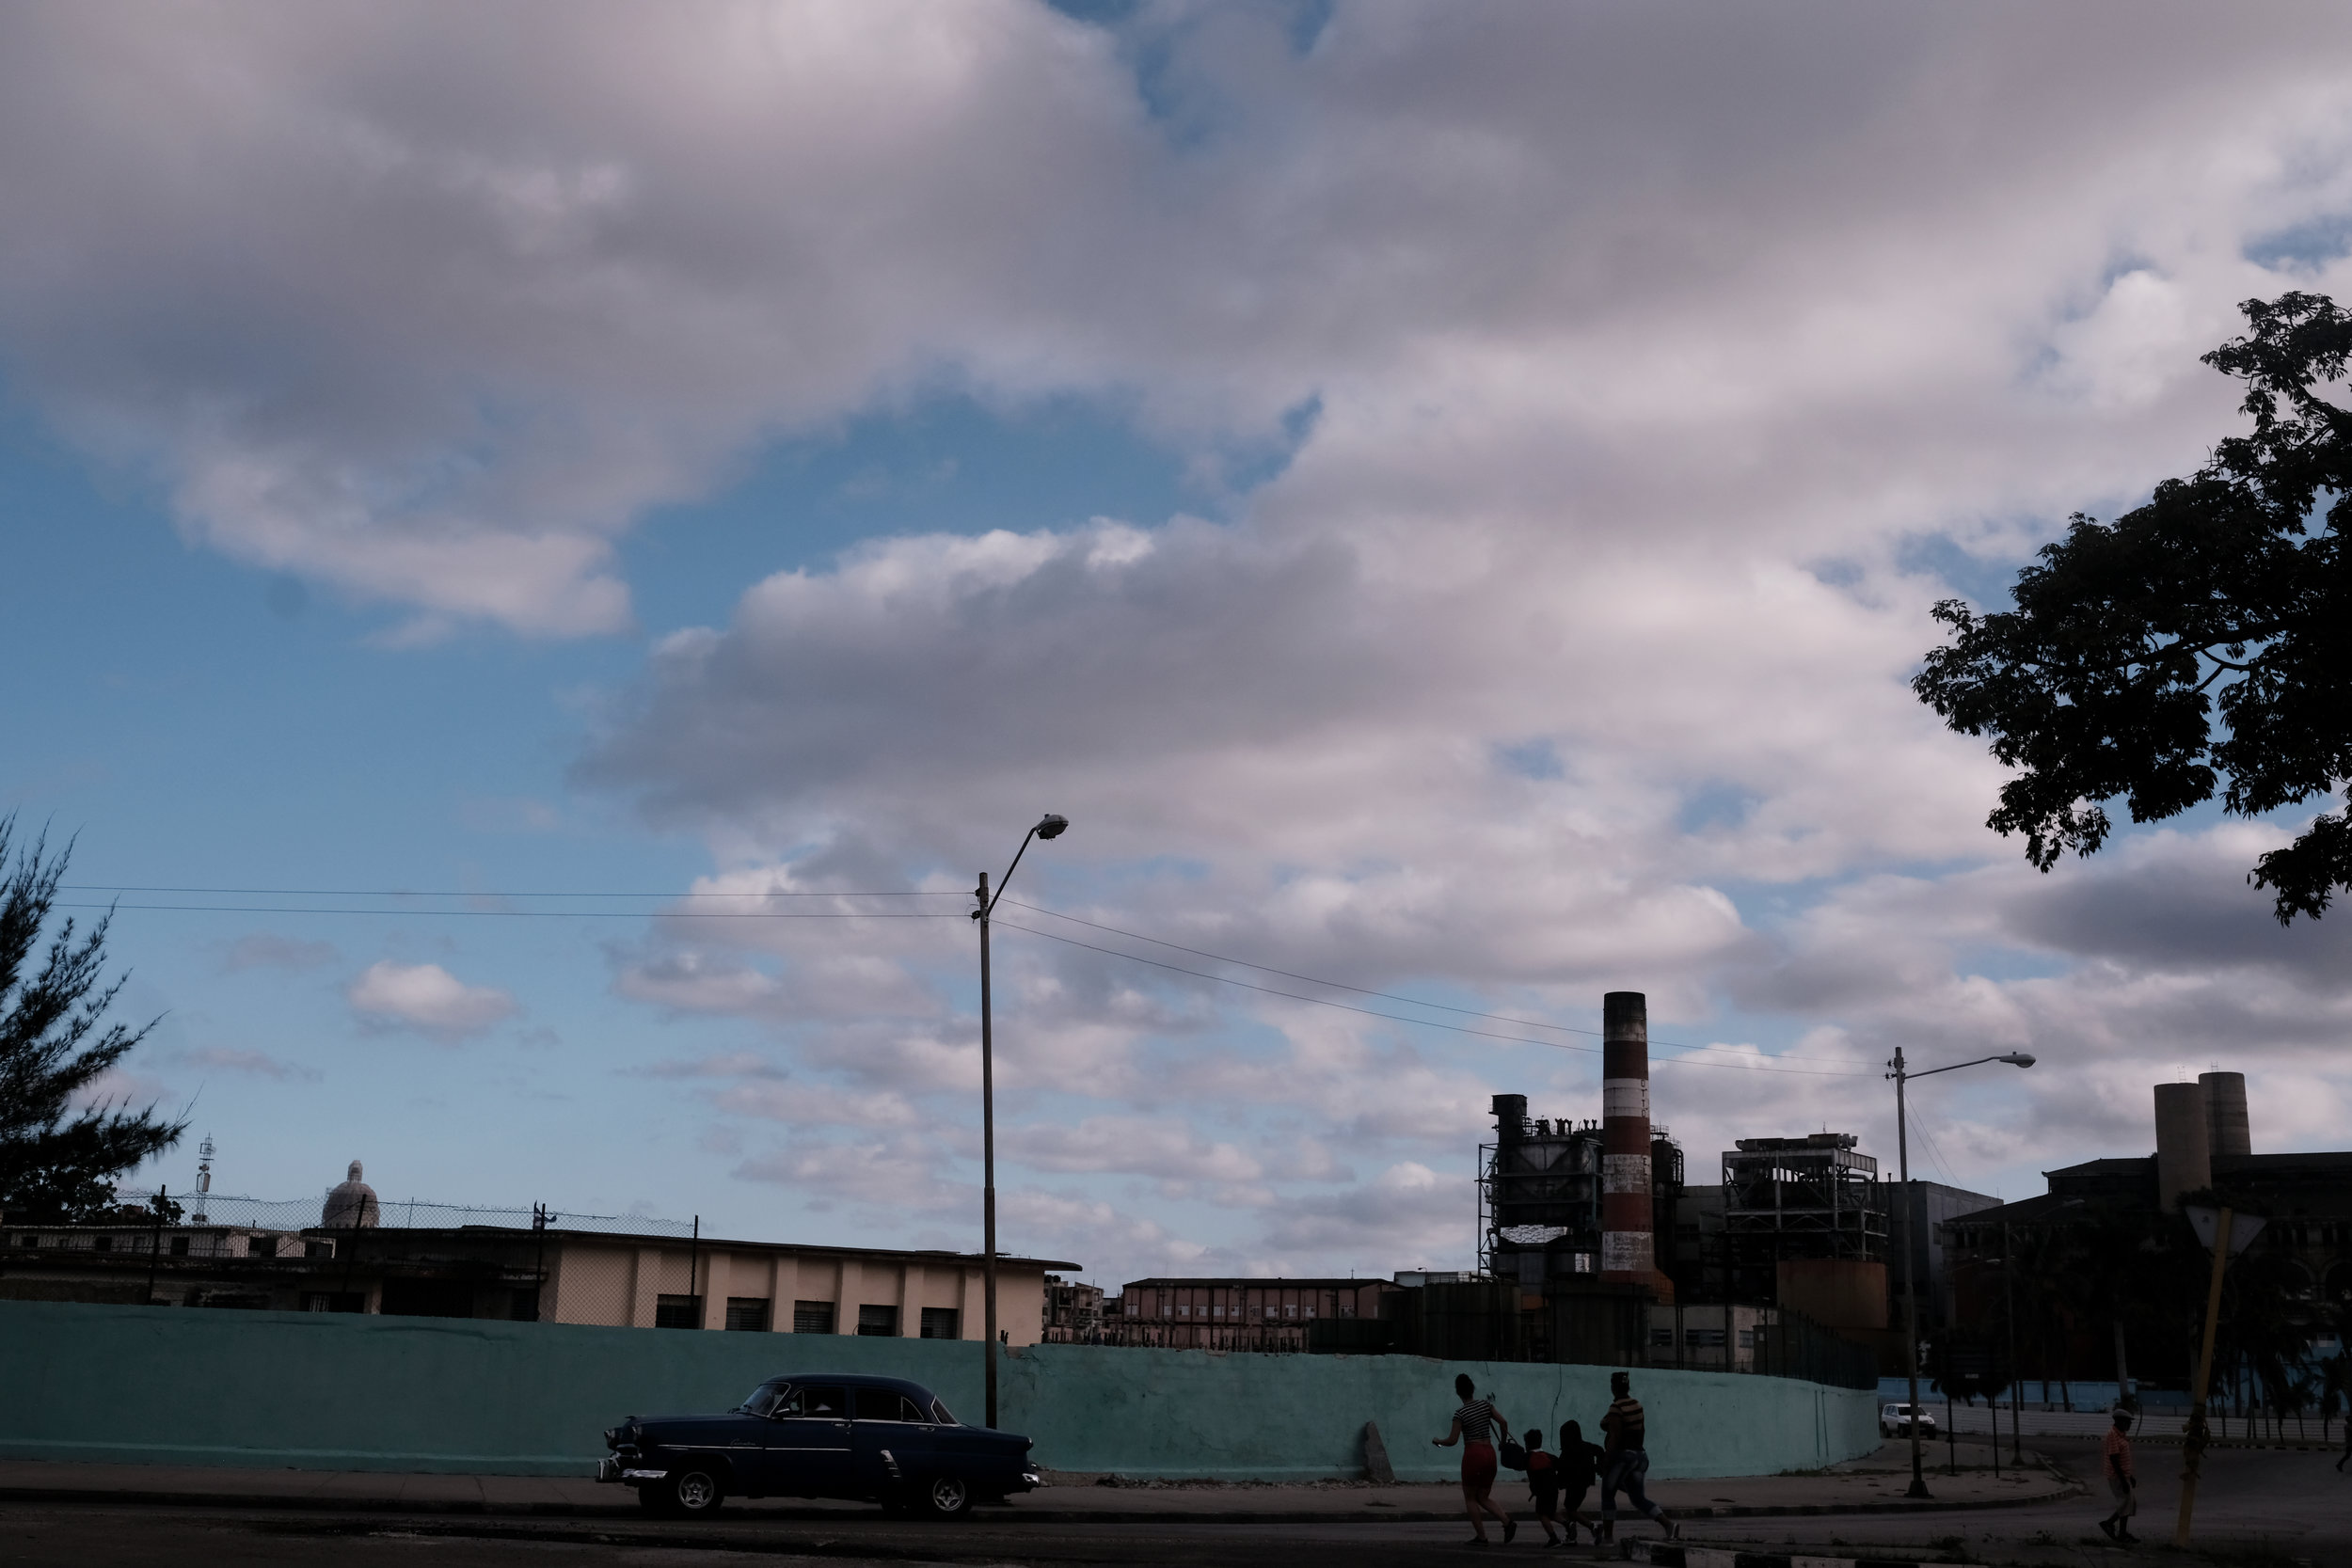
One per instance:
[(2229, 593), (60, 1150)]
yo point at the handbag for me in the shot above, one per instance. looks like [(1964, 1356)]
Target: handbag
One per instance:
[(1510, 1454)]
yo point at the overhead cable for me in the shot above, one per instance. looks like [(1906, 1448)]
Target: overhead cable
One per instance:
[(1753, 1064), (1383, 995)]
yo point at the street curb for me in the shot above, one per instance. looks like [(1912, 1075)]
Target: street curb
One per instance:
[(477, 1508), (1712, 1556)]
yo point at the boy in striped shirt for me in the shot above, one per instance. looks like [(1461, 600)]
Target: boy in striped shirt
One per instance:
[(1626, 1460)]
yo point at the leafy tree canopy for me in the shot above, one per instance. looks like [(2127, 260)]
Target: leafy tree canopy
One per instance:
[(59, 1159), (2228, 595)]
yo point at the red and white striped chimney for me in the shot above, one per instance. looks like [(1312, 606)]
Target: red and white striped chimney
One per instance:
[(1628, 1236)]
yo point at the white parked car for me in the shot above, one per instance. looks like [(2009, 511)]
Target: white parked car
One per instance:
[(1895, 1421)]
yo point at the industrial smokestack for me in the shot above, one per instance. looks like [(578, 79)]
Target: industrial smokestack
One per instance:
[(2183, 1158), (1510, 1118), (2227, 1130), (1627, 1239)]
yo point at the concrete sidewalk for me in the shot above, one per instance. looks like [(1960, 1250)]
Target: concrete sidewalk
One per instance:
[(1867, 1487)]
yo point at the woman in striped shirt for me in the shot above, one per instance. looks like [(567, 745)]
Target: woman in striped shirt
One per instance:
[(1475, 1426)]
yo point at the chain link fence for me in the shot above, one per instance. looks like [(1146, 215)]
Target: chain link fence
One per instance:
[(307, 1214)]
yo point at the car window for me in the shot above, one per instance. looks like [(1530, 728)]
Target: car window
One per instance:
[(886, 1404), (766, 1400), (817, 1400), (939, 1413)]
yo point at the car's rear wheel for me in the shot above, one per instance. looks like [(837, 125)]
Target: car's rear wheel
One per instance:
[(689, 1492), (949, 1498)]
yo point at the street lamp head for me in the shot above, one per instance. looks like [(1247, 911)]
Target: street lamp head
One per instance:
[(2018, 1058), (1051, 826)]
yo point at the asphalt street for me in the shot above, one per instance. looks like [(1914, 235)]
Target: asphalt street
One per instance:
[(2256, 1507)]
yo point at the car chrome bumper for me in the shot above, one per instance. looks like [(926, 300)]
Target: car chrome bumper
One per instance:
[(614, 1469)]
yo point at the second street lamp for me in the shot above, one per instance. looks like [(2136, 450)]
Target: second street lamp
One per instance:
[(1903, 1074), (1048, 826)]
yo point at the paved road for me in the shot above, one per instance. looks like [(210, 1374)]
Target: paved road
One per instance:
[(2257, 1508)]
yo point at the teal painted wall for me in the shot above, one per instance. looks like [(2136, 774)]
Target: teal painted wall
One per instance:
[(319, 1392)]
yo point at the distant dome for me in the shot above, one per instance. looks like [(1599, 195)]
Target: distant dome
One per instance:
[(350, 1202)]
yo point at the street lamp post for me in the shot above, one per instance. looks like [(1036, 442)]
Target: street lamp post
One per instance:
[(1049, 826), (1903, 1074)]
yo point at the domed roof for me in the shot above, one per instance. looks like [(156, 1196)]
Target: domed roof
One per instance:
[(350, 1202)]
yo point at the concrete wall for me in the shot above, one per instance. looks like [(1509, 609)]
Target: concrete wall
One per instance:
[(318, 1391)]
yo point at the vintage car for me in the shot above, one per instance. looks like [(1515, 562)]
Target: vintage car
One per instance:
[(876, 1439)]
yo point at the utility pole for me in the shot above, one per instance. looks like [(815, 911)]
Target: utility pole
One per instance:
[(1049, 826), (2227, 1240), (539, 1269), (1910, 1283), (1914, 1235), (155, 1253), (987, 1152), (2008, 1314)]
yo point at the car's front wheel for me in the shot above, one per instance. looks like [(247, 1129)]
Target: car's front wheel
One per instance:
[(949, 1498), (691, 1492)]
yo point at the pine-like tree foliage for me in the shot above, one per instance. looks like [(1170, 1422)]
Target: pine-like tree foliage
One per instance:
[(59, 1152), (2229, 594)]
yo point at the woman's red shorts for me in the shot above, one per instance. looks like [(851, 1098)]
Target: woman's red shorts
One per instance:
[(1478, 1466)]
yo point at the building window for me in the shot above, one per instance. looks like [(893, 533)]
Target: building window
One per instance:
[(812, 1317), (260, 1246), (748, 1314), (525, 1307), (179, 1247), (334, 1301), (28, 1241), (1664, 1336), (102, 1243), (941, 1323), (678, 1312), (1747, 1338), (878, 1322)]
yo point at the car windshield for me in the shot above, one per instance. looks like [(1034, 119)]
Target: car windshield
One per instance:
[(766, 1399)]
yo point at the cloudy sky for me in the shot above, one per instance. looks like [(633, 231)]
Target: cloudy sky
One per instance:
[(1445, 500)]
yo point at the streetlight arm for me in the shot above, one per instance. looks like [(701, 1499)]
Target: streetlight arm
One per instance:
[(991, 909), (2015, 1058)]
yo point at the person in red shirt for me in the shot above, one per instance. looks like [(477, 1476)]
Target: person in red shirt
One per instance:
[(2115, 1462), (1543, 1486)]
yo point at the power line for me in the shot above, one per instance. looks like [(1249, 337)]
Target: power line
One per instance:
[(468, 893), (512, 914), (1383, 995), (1747, 1060), (1761, 1064)]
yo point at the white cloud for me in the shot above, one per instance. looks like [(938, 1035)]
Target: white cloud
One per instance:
[(426, 998), (259, 1063)]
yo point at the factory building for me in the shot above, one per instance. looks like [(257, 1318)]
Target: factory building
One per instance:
[(1814, 1198), (1238, 1313), (1561, 1200), (2204, 1149), (352, 1262)]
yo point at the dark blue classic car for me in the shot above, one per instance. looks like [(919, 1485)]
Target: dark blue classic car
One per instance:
[(876, 1439)]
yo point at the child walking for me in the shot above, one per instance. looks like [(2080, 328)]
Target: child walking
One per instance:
[(1543, 1486), (2115, 1460), (1578, 1466)]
